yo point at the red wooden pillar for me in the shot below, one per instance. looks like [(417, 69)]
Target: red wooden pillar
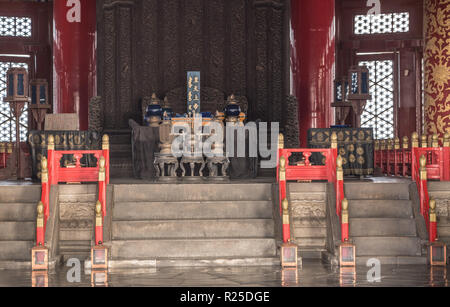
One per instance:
[(74, 57), (313, 62)]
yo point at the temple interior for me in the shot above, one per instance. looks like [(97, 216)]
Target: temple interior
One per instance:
[(225, 143)]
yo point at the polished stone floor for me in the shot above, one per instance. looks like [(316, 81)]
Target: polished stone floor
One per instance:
[(312, 274)]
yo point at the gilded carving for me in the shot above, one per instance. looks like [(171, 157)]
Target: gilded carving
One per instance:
[(437, 66)]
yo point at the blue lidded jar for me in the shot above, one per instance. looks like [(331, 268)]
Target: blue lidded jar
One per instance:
[(232, 110)]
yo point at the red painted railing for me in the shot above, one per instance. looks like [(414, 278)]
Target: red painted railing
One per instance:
[(5, 152), (421, 163), (307, 171), (52, 173)]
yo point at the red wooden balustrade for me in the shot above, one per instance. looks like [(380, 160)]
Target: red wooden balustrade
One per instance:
[(305, 170), (52, 173), (421, 163), (5, 152)]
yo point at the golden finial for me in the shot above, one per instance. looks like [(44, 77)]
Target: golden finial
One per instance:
[(405, 142), (44, 170), (334, 140), (51, 142), (40, 215), (345, 204), (98, 214), (433, 217), (383, 144), (102, 170), (415, 140), (282, 175), (435, 141), (9, 149), (390, 144), (2, 148), (281, 141), (377, 144), (339, 161), (423, 161), (285, 206), (339, 168), (397, 143), (424, 141), (105, 142), (446, 142)]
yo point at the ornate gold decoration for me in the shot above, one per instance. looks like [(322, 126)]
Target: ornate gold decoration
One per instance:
[(423, 168), (446, 142), (377, 145), (44, 170), (102, 170), (361, 160), (352, 158), (98, 214), (282, 175), (339, 168), (344, 213), (351, 148), (437, 66), (51, 142), (415, 140), (397, 143), (342, 151), (433, 210), (40, 215), (9, 148), (2, 148), (285, 206), (360, 151), (281, 141), (424, 141), (435, 141), (334, 140), (405, 144), (105, 142)]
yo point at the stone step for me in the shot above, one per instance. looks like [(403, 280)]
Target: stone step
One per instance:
[(16, 250), (20, 194), (307, 187), (311, 252), (364, 208), (387, 246), (76, 234), (193, 248), (21, 231), (73, 189), (443, 230), (20, 212), (393, 260), (365, 227), (193, 192), (307, 196), (311, 242), (178, 229), (365, 190), (310, 232), (192, 210)]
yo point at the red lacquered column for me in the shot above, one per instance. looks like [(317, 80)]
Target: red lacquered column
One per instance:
[(74, 57), (313, 62)]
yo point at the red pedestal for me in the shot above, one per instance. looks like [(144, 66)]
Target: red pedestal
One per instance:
[(313, 62), (74, 57)]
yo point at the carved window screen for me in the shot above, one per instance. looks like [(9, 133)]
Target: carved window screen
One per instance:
[(379, 112), (7, 121), (15, 26), (381, 23)]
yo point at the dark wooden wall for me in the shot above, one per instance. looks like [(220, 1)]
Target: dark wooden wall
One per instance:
[(146, 46)]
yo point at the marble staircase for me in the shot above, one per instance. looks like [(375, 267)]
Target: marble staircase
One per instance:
[(17, 224), (382, 223), (193, 225)]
